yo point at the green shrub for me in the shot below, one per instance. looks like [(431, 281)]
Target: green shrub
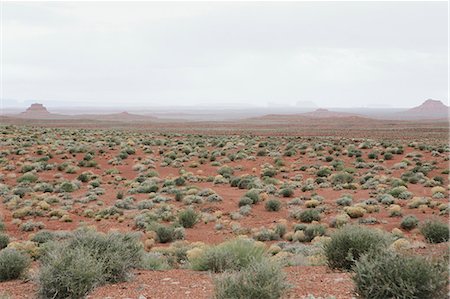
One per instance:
[(409, 222), (4, 240), (287, 192), (72, 268), (341, 178), (388, 156), (13, 264), (231, 255), (344, 201), (350, 242), (69, 273), (273, 205), (117, 252), (262, 280), (188, 218), (387, 274), (168, 234), (27, 178), (244, 201), (309, 215), (253, 195), (435, 231), (269, 172), (155, 262), (67, 187), (314, 230), (180, 181), (43, 237), (324, 172), (372, 155)]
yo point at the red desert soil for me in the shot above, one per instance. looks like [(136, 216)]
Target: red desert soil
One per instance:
[(177, 283), (181, 284)]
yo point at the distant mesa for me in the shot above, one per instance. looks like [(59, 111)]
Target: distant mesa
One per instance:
[(36, 108), (430, 109), (430, 105), (37, 111)]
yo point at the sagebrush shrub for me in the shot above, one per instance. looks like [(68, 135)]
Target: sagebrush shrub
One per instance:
[(309, 215), (118, 252), (188, 218), (386, 274), (409, 222), (314, 230), (165, 234), (235, 254), (273, 205), (4, 240), (72, 268), (435, 231), (287, 192), (69, 273), (43, 237), (348, 243), (155, 262), (13, 264), (244, 201), (262, 280)]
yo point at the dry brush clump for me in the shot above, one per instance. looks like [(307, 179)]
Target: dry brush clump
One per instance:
[(387, 274), (74, 267)]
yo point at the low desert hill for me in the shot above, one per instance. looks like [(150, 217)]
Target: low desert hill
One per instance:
[(39, 111), (430, 109), (325, 113)]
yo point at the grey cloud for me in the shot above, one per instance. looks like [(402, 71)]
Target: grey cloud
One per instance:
[(153, 53)]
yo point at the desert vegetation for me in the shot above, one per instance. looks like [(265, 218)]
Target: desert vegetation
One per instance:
[(84, 211)]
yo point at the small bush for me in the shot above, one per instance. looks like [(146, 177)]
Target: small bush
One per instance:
[(309, 215), (344, 201), (435, 231), (313, 231), (155, 262), (13, 264), (188, 218), (73, 268), (287, 192), (43, 237), (273, 205), (230, 255), (341, 178), (165, 234), (69, 273), (350, 242), (262, 280), (388, 156), (388, 274), (355, 211), (244, 201), (409, 222), (253, 195), (4, 240), (27, 178)]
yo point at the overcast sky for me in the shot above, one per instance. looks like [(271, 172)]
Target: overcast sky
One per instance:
[(335, 54)]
